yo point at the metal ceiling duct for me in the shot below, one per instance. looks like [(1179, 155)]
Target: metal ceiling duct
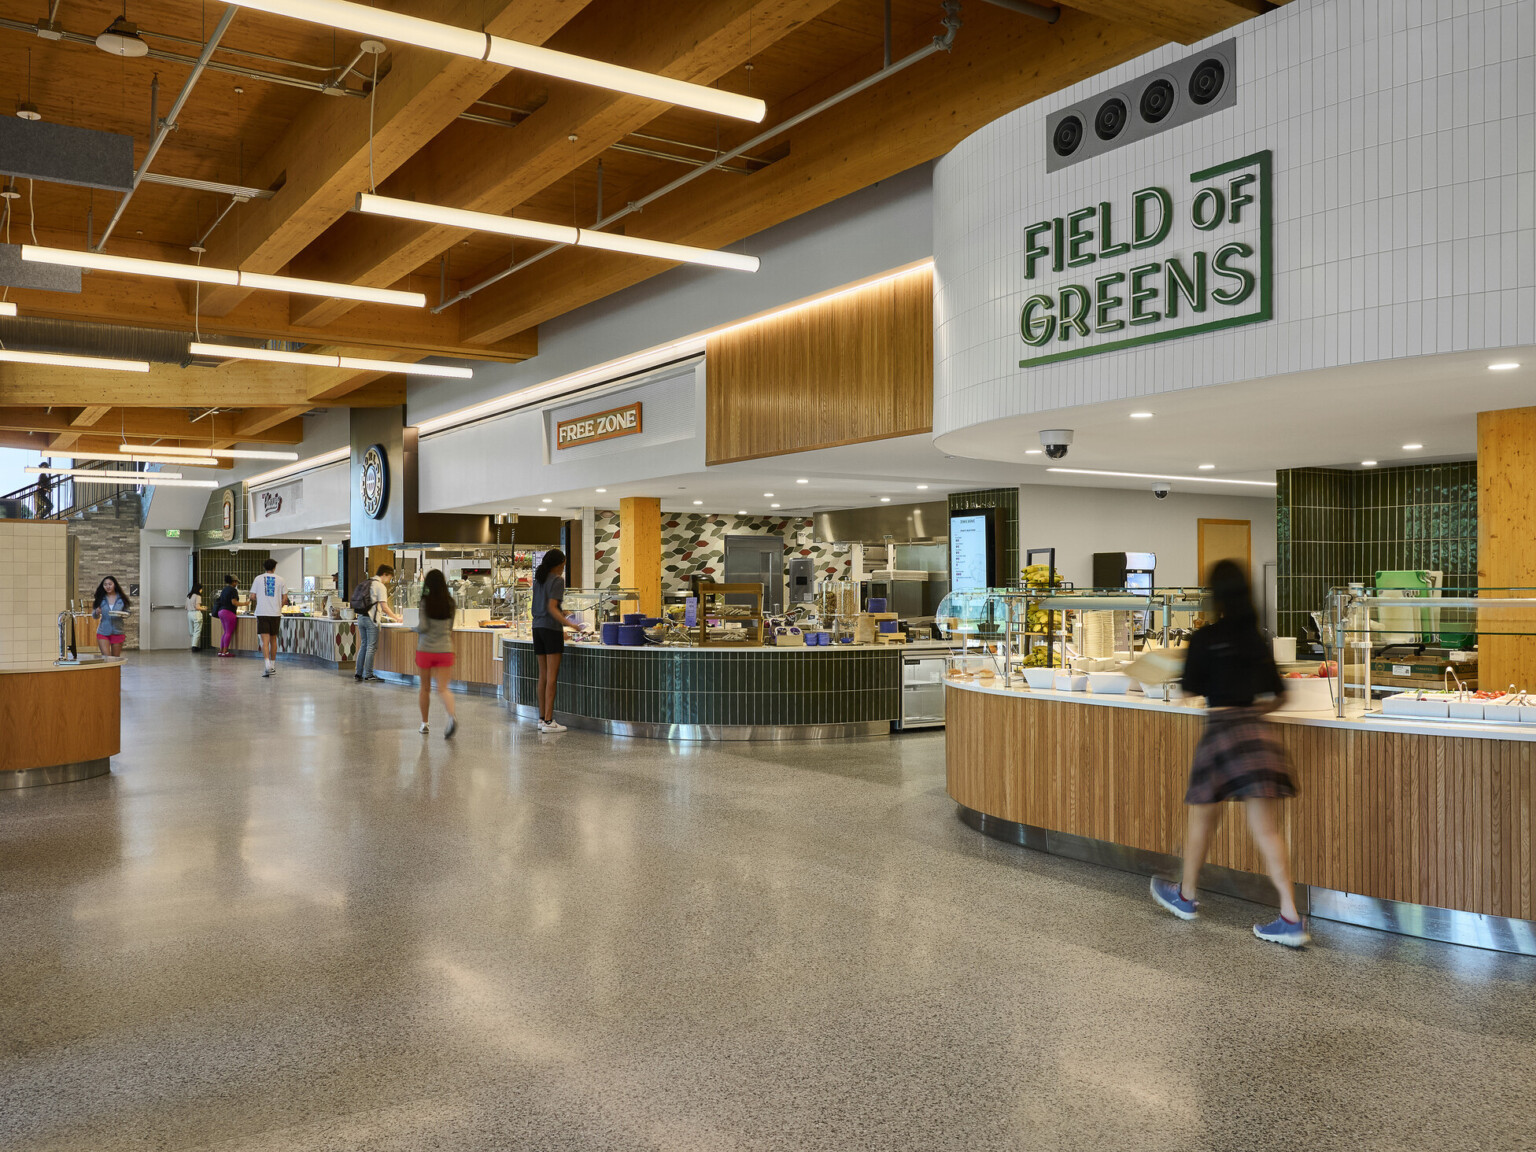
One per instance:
[(76, 338)]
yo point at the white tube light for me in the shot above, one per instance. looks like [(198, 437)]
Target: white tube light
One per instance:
[(314, 359), (413, 30), (166, 269), (7, 308), (145, 458), (373, 205), (237, 453), (55, 360), (335, 456), (1164, 476), (96, 476)]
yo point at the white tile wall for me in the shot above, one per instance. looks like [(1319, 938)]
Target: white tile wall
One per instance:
[(1404, 135), (32, 591)]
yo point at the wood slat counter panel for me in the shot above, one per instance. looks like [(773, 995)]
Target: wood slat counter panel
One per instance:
[(1436, 820), (473, 649), (52, 716)]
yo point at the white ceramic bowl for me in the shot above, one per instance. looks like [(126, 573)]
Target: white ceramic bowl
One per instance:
[(1307, 695), (1109, 683), (1040, 677), (1070, 682)]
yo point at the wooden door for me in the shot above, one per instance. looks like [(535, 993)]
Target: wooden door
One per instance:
[(1225, 540)]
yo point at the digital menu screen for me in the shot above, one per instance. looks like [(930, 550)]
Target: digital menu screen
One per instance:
[(970, 550)]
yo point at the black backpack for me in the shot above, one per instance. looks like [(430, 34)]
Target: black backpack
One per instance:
[(362, 597)]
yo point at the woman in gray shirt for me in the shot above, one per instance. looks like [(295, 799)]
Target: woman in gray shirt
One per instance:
[(434, 647), (549, 624)]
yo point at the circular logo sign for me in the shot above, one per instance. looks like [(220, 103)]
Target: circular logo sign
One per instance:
[(375, 481), (227, 512)]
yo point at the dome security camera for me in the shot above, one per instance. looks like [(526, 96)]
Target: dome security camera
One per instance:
[(1161, 489), (1056, 441)]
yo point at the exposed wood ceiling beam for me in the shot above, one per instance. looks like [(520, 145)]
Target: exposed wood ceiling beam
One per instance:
[(325, 157), (493, 170), (259, 421), (106, 445), (999, 63), (237, 384), (158, 423), (84, 419), (1182, 20)]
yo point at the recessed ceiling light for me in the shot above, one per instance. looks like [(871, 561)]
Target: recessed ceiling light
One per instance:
[(885, 499), (1206, 467), (802, 481), (1503, 366), (768, 495), (546, 500), (922, 487), (773, 505), (1412, 447), (1141, 415), (698, 501), (1367, 463), (599, 489), (1034, 451), (741, 511)]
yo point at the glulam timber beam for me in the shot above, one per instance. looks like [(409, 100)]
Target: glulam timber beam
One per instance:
[(138, 423), (490, 169), (999, 63), (1184, 21), (335, 148), (235, 384)]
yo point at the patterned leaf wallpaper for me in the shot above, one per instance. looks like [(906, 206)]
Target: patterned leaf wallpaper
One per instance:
[(695, 542)]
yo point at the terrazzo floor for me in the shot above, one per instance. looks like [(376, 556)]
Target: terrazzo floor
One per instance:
[(289, 922)]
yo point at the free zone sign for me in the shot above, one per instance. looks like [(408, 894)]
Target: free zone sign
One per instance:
[(623, 421), (1159, 264)]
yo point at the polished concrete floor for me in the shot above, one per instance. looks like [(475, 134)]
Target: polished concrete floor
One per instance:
[(289, 922)]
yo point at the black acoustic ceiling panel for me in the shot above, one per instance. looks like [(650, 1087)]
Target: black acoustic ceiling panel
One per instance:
[(39, 150)]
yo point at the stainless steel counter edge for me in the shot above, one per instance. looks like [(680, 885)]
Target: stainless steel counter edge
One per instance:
[(1354, 720)]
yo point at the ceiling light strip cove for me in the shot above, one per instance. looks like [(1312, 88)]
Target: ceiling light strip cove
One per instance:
[(1164, 476), (227, 277), (371, 204), (413, 30)]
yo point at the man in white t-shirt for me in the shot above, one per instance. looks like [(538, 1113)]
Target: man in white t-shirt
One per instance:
[(269, 593)]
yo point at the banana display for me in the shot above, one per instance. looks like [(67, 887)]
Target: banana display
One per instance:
[(1039, 576), (1036, 658)]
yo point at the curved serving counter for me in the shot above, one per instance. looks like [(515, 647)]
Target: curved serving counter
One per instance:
[(716, 693), (60, 722), (476, 658), (1421, 827), (315, 639)]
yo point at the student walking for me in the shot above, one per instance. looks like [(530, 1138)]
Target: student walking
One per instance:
[(1237, 758), (195, 615), (371, 605), (549, 624), (224, 606), (268, 595), (109, 604), (434, 648)]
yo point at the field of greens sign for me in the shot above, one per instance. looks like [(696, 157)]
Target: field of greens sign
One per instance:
[(1160, 264)]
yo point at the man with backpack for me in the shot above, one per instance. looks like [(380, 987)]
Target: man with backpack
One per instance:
[(370, 599)]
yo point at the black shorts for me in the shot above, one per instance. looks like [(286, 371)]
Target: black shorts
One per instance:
[(548, 641), (267, 625)]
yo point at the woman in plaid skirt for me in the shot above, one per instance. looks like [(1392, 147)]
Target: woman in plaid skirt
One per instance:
[(1238, 758)]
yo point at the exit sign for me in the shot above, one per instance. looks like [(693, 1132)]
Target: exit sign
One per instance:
[(172, 533)]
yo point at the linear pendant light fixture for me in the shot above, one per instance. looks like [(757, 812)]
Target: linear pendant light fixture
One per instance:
[(413, 30), (1164, 476), (315, 359), (236, 453), (7, 308), (373, 205), (96, 476), (153, 458), (169, 270), (55, 360)]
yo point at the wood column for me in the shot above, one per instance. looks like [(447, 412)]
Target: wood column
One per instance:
[(1506, 526), (640, 550)]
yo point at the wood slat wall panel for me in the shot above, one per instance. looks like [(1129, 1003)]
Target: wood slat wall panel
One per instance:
[(854, 368), (1442, 821), (1506, 521), (472, 655)]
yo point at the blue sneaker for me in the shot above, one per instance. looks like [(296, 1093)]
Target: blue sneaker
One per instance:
[(1282, 931), (1171, 897)]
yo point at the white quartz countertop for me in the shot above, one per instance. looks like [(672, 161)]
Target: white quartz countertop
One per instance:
[(50, 666), (923, 648), (1354, 716)]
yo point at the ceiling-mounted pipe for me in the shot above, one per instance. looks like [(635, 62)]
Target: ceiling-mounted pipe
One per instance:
[(1047, 12), (942, 43), (168, 125)]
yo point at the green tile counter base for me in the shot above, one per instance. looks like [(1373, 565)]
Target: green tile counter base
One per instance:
[(703, 694)]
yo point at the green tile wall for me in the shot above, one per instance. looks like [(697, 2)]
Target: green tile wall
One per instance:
[(1334, 526), (1006, 501), (726, 688)]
